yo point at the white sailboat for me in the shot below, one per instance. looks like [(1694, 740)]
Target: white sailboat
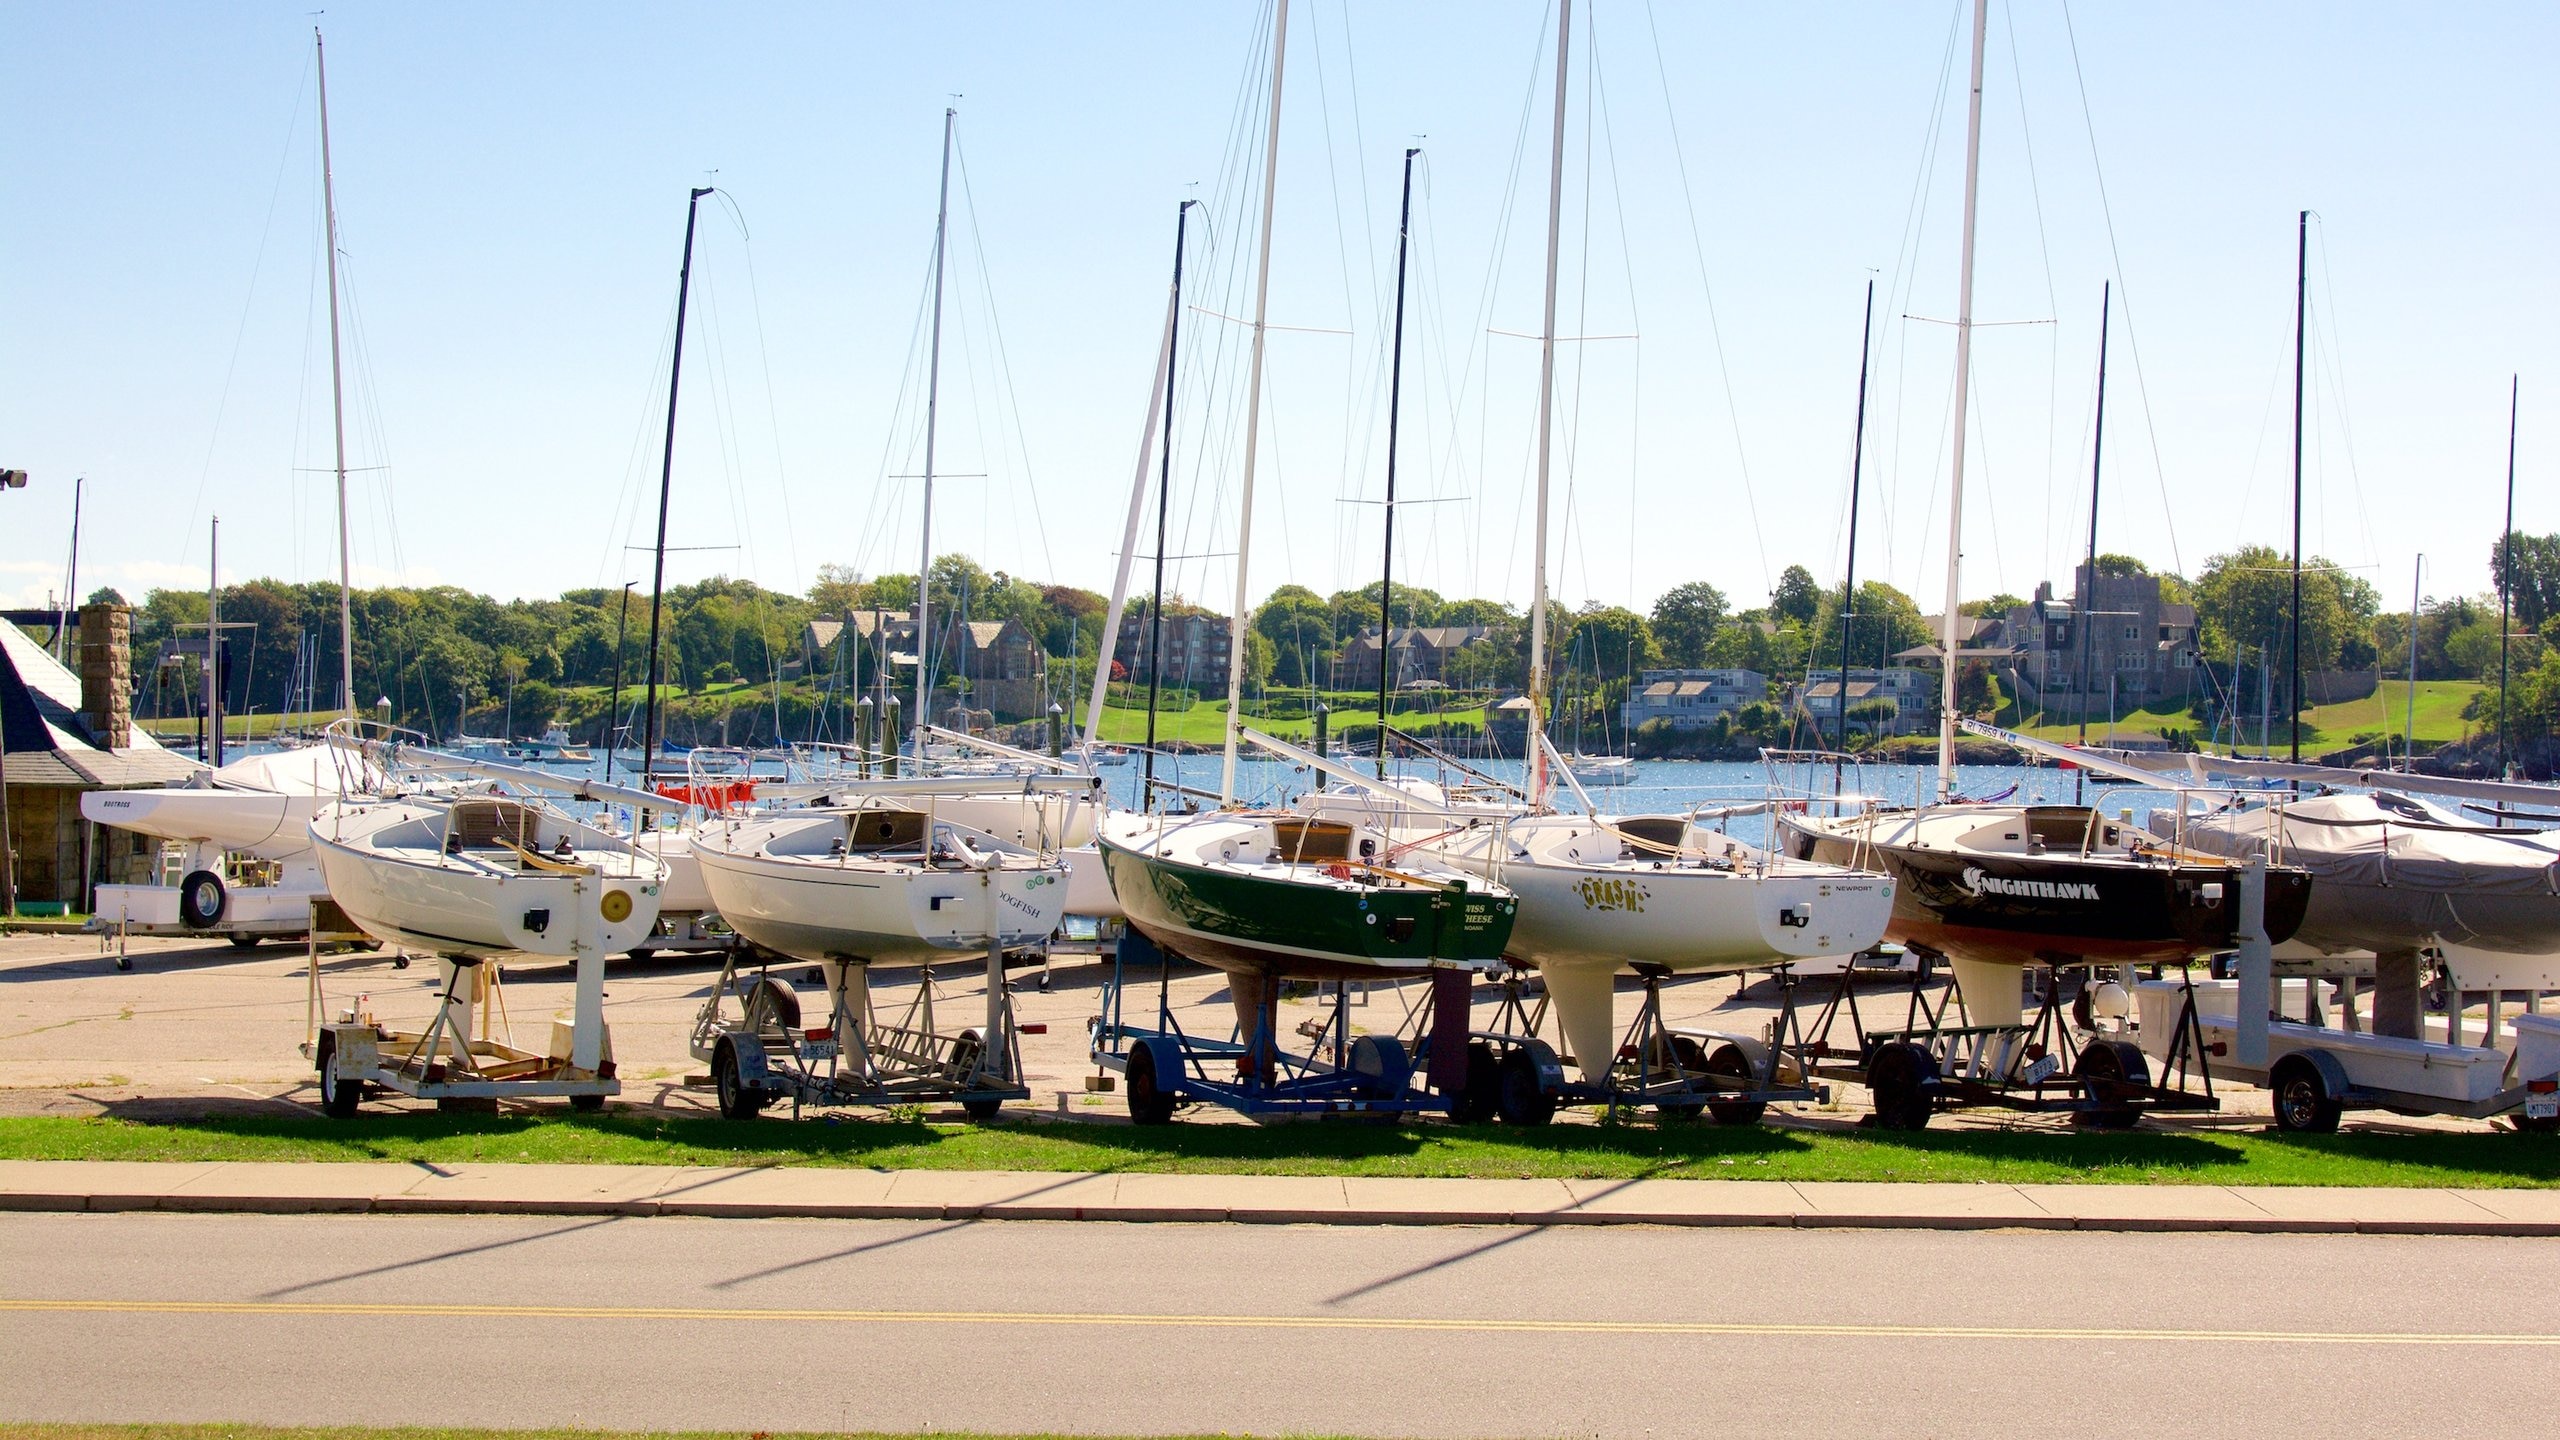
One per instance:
[(880, 873), (1600, 894)]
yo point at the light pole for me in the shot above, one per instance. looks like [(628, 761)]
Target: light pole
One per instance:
[(9, 480)]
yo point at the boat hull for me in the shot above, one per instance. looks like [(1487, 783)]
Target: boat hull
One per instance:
[(2049, 909), (879, 912), (1267, 925), (447, 906)]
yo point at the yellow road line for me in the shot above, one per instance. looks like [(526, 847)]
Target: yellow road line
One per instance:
[(2071, 1333)]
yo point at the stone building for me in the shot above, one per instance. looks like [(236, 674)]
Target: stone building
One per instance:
[(62, 735)]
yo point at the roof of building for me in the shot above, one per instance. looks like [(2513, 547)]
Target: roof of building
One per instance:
[(42, 741)]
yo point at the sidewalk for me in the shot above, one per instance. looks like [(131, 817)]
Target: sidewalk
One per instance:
[(643, 1190)]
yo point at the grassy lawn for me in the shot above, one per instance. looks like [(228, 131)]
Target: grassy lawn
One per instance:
[(2477, 1159), (16, 1431), (2385, 711)]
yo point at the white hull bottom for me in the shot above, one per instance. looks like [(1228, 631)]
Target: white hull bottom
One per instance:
[(385, 865), (817, 906)]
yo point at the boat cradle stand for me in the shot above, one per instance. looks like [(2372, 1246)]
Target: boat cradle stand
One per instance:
[(1252, 1071), (767, 1049), (1935, 1061), (1516, 1076), (456, 1060)]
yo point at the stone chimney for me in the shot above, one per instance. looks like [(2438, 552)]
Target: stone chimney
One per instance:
[(106, 674)]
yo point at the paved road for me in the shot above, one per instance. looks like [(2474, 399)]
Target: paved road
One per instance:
[(674, 1324)]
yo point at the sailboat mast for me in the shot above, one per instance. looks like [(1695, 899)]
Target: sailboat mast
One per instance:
[(2507, 572), (63, 648), (1395, 402), (1243, 611), (1952, 623), (2301, 312), (2089, 602), (213, 647), (932, 408), (666, 481), (1164, 504), (1108, 642), (1537, 757), (1857, 467), (2409, 738), (337, 399)]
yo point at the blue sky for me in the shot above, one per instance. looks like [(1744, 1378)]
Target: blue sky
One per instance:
[(512, 183)]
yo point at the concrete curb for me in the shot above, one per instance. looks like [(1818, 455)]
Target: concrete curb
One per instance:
[(953, 1197)]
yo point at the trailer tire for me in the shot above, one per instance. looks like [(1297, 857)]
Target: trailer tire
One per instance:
[(1522, 1098), (1149, 1102), (2118, 1061), (1730, 1063), (586, 1104), (2305, 1105), (2537, 1124), (737, 1101), (340, 1093), (243, 941), (202, 900), (982, 1107), (1480, 1091), (1900, 1075)]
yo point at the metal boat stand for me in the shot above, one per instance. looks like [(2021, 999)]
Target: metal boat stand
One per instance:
[(1936, 1061), (767, 1052), (1252, 1071), (1517, 1077)]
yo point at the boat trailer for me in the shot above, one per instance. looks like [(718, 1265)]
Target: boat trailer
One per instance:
[(457, 1060), (756, 1032), (2065, 1058), (1254, 1072), (1516, 1076)]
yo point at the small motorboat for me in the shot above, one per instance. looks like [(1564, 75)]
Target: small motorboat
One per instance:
[(479, 874)]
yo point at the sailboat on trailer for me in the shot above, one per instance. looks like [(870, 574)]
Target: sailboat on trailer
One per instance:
[(1997, 887), (881, 874), (1271, 895), (1602, 894)]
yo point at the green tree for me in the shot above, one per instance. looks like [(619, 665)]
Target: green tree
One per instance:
[(1685, 622), (1798, 598), (2244, 598), (1298, 623), (2534, 591), (1883, 622)]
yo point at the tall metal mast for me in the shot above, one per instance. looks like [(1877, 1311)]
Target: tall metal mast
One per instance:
[(1243, 612), (2301, 313), (932, 408), (213, 647), (1537, 756), (2507, 572), (2409, 738), (1952, 623), (337, 400), (1164, 503), (1395, 401), (666, 481), (1857, 465), (2089, 603)]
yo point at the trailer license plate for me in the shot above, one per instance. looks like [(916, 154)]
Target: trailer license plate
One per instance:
[(2542, 1104), (2042, 1069), (817, 1049)]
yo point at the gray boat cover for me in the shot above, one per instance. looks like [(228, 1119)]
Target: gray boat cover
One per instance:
[(2390, 870)]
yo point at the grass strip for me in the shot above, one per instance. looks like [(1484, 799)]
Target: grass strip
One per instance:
[(2472, 1160)]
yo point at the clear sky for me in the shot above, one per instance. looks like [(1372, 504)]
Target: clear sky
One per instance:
[(511, 186)]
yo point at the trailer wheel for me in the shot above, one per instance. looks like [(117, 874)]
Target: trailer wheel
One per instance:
[(2537, 1124), (2111, 1062), (2304, 1105), (586, 1104), (1899, 1077), (242, 941), (1480, 1093), (340, 1093), (982, 1107), (201, 900), (1522, 1099), (737, 1102), (1728, 1062), (643, 952), (1149, 1102)]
